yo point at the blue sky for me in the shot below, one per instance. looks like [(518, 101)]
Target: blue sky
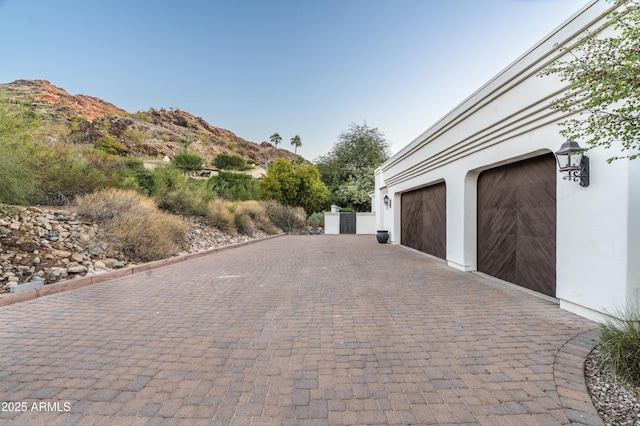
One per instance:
[(255, 67)]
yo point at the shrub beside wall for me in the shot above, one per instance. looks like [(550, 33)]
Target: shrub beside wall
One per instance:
[(620, 343)]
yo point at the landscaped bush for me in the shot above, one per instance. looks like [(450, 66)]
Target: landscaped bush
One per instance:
[(188, 161), (229, 162), (620, 343), (142, 231), (287, 218), (316, 220)]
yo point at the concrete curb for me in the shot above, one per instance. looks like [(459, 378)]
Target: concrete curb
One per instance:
[(11, 298)]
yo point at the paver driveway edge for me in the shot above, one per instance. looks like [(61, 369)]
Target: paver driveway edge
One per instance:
[(568, 374), (11, 298)]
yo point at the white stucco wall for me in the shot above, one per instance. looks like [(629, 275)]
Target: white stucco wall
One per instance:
[(331, 223), (365, 223), (506, 120)]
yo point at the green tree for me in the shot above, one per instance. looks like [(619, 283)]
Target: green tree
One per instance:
[(348, 168), (294, 186), (188, 161), (275, 139), (604, 78), (296, 141), (186, 143), (229, 162)]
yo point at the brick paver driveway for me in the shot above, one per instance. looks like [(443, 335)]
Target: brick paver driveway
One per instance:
[(294, 330)]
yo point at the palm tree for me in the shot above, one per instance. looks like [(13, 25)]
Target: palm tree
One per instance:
[(275, 139), (296, 141)]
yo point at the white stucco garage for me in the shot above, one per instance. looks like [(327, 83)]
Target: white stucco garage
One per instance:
[(477, 189)]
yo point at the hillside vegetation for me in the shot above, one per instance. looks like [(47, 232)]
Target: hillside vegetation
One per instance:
[(57, 149), (82, 119), (55, 146)]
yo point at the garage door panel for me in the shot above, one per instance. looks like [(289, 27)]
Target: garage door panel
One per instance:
[(537, 195), (497, 197), (423, 220), (500, 264), (517, 223), (532, 266), (536, 222)]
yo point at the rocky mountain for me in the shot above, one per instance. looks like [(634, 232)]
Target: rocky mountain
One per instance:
[(149, 134)]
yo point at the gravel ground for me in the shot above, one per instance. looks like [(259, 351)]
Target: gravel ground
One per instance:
[(617, 403)]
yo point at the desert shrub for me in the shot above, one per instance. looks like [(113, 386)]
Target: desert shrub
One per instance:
[(316, 220), (18, 185), (109, 204), (110, 145), (235, 186), (220, 216), (183, 200), (135, 135), (287, 218), (142, 231), (174, 192), (17, 127), (243, 223), (151, 235), (60, 172), (257, 213), (620, 343), (143, 115)]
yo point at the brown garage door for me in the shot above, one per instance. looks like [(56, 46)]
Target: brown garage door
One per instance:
[(424, 220), (517, 223)]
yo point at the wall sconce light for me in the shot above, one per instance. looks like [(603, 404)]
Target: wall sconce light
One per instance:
[(387, 201), (572, 162)]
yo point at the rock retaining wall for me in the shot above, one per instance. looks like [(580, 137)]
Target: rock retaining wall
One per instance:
[(58, 244)]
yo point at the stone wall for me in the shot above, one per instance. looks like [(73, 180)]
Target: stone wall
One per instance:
[(59, 244)]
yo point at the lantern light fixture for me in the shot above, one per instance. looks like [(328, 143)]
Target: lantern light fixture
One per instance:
[(573, 162)]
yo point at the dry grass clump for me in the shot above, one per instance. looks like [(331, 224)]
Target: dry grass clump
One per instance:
[(219, 215), (245, 217), (257, 214), (106, 205), (287, 218), (142, 231)]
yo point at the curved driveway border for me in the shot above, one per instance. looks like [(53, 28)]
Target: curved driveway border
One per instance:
[(568, 373), (328, 330), (75, 283)]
